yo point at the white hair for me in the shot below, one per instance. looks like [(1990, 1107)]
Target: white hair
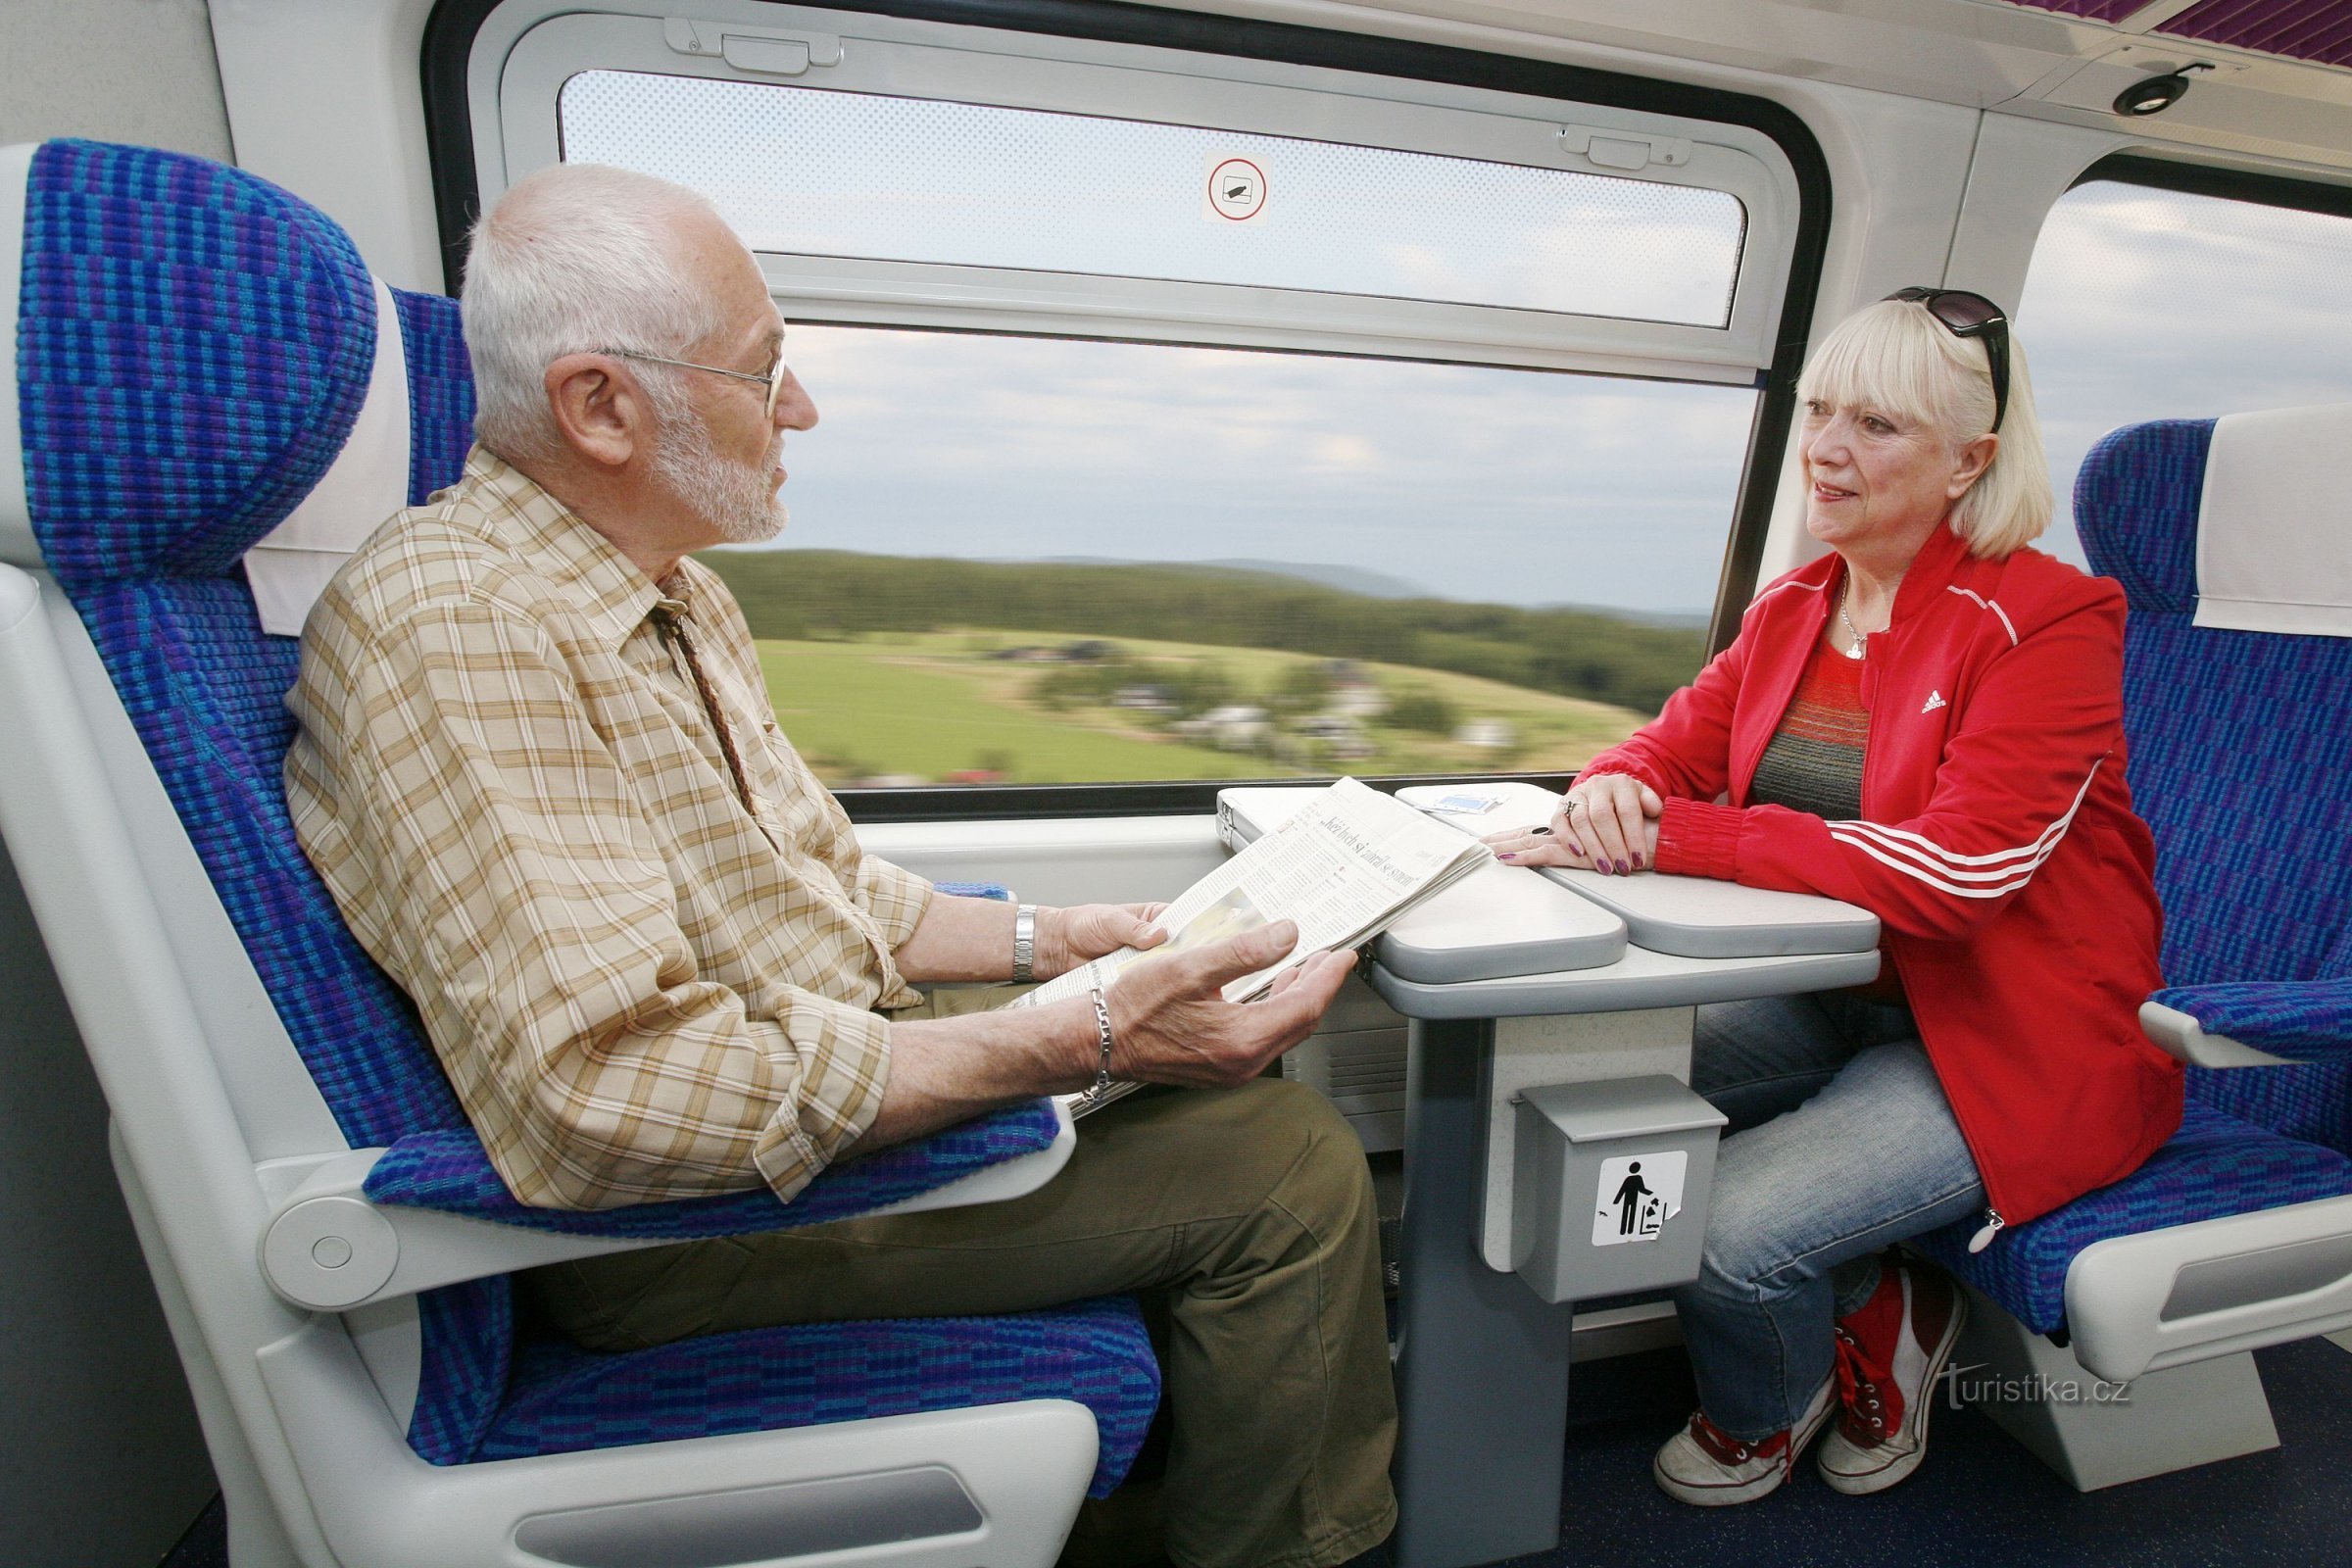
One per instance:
[(574, 258), (1897, 357)]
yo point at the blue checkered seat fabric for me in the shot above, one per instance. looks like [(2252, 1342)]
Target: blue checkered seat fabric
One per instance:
[(2241, 754), (194, 348), (2214, 1167)]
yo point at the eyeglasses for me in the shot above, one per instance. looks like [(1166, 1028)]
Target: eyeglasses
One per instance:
[(773, 378), (1967, 314)]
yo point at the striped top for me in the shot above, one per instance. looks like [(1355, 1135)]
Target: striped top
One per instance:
[(1814, 763)]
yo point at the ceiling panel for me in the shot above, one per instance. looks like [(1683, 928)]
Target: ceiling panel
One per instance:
[(2092, 10), (2319, 31)]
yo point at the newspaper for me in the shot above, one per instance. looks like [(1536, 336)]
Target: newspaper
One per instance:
[(1351, 861)]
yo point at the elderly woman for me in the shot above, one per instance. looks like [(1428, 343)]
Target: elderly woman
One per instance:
[(1927, 721)]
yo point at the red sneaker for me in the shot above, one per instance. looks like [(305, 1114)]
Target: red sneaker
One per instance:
[(1890, 1355), (1705, 1466)]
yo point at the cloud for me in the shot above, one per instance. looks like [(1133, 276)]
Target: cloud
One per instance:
[(1474, 483), (2145, 304)]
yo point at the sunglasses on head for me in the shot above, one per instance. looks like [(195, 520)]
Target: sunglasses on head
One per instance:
[(1967, 314)]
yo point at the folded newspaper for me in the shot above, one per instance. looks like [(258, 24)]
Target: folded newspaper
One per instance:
[(1348, 865)]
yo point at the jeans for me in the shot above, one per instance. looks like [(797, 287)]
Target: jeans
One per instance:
[(1840, 1143)]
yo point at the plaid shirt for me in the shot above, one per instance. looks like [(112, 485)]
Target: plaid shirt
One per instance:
[(640, 989)]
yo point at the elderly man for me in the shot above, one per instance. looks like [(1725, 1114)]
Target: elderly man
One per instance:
[(537, 769)]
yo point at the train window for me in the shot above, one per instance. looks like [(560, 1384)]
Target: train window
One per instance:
[(796, 171), (2147, 302), (1191, 417), (1042, 561)]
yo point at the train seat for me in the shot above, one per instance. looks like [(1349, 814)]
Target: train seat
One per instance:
[(2237, 1234), (2242, 732), (196, 352)]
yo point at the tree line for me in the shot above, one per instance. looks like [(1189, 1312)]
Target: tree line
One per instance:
[(799, 594)]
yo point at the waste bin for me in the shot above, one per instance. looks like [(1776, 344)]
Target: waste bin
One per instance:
[(1610, 1189)]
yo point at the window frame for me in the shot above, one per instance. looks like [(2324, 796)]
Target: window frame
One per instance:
[(2214, 179), (447, 65)]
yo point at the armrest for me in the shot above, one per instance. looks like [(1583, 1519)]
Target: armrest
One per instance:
[(2139, 1303), (358, 1228), (2185, 1039), (2302, 1019)]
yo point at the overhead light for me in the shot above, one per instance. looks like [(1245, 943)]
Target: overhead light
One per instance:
[(2155, 94)]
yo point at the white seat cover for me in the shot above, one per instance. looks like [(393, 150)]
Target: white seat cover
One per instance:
[(2275, 526)]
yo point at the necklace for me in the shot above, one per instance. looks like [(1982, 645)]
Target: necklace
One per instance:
[(1855, 652)]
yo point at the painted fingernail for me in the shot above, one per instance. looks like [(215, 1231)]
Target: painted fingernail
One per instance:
[(1623, 869), (1637, 862), (1507, 856), (1575, 846)]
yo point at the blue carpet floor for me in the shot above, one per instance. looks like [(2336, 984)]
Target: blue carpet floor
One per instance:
[(1980, 1501)]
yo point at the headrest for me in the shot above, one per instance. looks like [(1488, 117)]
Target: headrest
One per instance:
[(193, 347), (2135, 506), (2274, 533)]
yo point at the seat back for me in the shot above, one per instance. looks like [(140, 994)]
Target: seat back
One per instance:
[(2237, 697), (195, 350)]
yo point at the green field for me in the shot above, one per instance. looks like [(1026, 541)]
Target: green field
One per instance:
[(926, 704)]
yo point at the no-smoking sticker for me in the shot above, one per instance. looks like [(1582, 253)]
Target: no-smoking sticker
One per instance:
[(1237, 190)]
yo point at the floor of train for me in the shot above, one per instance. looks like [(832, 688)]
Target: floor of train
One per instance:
[(1979, 1498)]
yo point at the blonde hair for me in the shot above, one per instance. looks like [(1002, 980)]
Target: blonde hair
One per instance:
[(1895, 357)]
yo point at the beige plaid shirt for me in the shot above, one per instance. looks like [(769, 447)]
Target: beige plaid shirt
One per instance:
[(640, 989)]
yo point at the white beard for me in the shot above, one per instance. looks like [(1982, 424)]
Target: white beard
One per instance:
[(741, 502)]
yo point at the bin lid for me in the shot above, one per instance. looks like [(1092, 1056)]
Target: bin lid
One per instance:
[(1611, 1109)]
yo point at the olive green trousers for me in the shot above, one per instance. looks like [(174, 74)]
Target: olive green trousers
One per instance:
[(1249, 1212)]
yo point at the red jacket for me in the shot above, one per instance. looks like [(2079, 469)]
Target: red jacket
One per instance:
[(1997, 845)]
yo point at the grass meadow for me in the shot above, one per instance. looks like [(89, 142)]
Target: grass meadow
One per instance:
[(926, 704)]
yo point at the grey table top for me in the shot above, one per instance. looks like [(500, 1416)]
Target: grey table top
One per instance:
[(1504, 943), (1495, 922), (1695, 917)]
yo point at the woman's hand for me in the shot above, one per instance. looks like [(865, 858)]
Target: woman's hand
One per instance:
[(1607, 824), (1067, 938)]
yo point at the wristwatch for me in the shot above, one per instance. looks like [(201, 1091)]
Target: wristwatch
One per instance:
[(1024, 944)]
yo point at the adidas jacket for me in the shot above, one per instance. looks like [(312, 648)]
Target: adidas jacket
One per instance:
[(1997, 845)]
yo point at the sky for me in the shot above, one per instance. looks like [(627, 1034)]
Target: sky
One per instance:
[(1496, 485), (1502, 486), (2153, 305)]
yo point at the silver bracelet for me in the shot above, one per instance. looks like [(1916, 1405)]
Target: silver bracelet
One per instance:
[(1102, 1033), (1024, 944)]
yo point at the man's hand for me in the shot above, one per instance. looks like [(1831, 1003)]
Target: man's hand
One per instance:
[(1610, 825), (1170, 1024), (1067, 938)]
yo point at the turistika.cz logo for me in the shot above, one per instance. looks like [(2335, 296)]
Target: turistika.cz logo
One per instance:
[(1975, 1384)]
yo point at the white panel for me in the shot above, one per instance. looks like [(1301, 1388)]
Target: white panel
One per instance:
[(1898, 167), (130, 71), (1080, 860), (2275, 527), (16, 546), (368, 481), (323, 100), (2022, 168)]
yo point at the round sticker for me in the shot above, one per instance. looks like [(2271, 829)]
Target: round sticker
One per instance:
[(1237, 189)]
